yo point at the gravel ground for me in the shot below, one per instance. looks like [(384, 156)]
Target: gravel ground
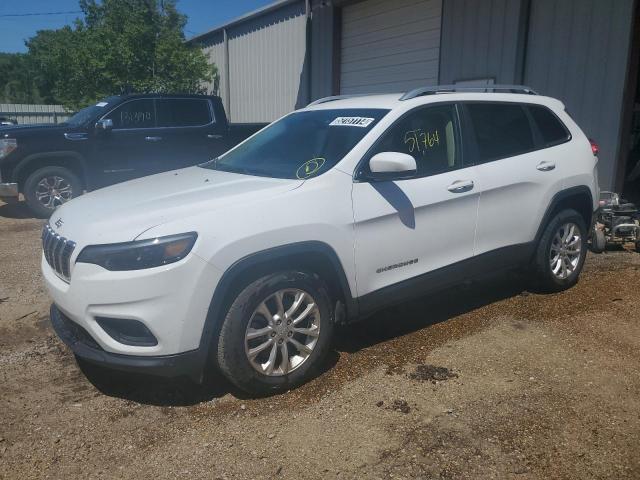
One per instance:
[(486, 381)]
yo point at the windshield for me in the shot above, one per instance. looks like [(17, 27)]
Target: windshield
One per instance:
[(89, 113), (301, 145)]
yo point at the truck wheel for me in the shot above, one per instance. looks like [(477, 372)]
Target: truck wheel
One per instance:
[(561, 252), (598, 241), (276, 333), (49, 187)]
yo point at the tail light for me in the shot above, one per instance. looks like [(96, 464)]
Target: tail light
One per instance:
[(594, 147)]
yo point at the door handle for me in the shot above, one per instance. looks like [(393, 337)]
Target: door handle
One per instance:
[(153, 139), (461, 186), (546, 166), (211, 135)]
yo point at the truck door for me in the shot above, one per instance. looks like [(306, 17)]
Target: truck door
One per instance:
[(190, 133), (132, 145)]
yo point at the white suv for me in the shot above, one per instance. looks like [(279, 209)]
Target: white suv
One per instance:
[(351, 204)]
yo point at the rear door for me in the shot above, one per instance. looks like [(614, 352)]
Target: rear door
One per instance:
[(518, 173), (407, 228), (190, 132)]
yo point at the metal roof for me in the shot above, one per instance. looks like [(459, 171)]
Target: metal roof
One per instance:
[(243, 18)]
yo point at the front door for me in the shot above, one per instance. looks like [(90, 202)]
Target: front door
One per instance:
[(407, 228), (132, 145)]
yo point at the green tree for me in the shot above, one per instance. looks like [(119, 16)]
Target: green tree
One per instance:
[(119, 46)]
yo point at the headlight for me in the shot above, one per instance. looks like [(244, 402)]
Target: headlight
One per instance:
[(7, 145), (139, 254)]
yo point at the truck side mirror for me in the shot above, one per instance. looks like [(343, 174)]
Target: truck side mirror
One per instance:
[(104, 125)]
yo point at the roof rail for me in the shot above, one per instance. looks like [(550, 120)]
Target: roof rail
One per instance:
[(432, 90), (337, 97)]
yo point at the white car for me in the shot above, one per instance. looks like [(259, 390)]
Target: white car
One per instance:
[(247, 262)]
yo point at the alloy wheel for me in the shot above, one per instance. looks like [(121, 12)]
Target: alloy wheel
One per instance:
[(282, 332), (53, 191), (564, 254)]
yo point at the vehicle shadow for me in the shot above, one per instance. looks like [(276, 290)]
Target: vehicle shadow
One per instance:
[(387, 324), (414, 315), (16, 210)]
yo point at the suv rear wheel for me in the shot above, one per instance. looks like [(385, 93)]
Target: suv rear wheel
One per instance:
[(49, 187), (276, 333), (561, 252)]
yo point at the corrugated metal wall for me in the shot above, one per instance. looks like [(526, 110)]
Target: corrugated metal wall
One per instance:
[(389, 46), (28, 114), (577, 51), (322, 46), (481, 39), (267, 64), (213, 47)]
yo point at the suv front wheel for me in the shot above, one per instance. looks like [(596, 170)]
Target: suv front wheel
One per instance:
[(561, 252), (276, 333)]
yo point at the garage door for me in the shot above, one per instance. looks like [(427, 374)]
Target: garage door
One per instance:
[(389, 46)]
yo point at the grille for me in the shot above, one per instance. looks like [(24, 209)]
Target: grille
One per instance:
[(57, 251)]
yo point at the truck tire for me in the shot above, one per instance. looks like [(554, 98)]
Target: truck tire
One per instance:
[(560, 253), (49, 187), (283, 315)]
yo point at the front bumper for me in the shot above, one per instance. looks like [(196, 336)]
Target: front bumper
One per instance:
[(8, 190), (172, 302), (84, 346)]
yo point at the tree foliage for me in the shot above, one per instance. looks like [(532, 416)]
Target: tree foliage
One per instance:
[(118, 46)]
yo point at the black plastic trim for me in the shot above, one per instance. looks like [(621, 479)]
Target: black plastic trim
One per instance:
[(182, 364), (445, 277)]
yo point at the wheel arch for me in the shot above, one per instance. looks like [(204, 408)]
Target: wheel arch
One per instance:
[(578, 198), (67, 159), (312, 256)]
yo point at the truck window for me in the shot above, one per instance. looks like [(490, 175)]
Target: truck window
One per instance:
[(550, 127), (429, 135), (182, 112), (502, 130), (134, 114)]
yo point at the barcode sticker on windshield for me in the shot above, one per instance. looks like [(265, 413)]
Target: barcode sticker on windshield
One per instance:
[(101, 104), (362, 122)]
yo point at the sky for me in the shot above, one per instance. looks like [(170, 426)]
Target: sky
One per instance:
[(203, 15)]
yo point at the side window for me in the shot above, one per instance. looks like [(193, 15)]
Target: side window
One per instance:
[(134, 114), (550, 127), (502, 130), (429, 135), (183, 112)]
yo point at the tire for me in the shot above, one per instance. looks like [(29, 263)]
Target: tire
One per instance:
[(638, 246), (47, 180), (545, 279), (598, 241), (233, 347)]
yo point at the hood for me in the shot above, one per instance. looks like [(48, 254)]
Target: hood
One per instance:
[(19, 131), (123, 212)]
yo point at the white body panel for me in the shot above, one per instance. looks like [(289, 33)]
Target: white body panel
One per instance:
[(369, 226)]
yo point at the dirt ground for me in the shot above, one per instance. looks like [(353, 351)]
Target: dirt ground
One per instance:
[(485, 381)]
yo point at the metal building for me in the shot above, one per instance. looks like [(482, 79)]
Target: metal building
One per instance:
[(585, 52)]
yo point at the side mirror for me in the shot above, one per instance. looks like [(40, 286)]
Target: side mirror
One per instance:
[(104, 125), (391, 166)]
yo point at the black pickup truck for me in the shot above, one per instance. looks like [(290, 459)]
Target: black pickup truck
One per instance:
[(115, 140)]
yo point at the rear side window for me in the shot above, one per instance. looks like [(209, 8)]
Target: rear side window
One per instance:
[(502, 130), (182, 112), (550, 127)]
